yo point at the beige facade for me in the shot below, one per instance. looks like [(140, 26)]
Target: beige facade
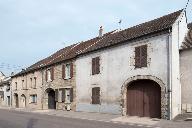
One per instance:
[(31, 90), (23, 87)]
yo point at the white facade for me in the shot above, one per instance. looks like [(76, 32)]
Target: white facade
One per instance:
[(117, 65), (5, 99)]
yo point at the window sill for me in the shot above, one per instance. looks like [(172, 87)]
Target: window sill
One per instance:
[(67, 78), (34, 103)]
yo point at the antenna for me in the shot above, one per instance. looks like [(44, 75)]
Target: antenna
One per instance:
[(120, 21), (187, 4)]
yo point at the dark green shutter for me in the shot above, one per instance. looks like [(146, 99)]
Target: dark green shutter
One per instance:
[(71, 95), (63, 95)]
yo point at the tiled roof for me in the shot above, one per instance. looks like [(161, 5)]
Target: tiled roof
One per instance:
[(108, 39)]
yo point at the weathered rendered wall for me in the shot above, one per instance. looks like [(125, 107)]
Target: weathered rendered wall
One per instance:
[(179, 31), (117, 65), (186, 82)]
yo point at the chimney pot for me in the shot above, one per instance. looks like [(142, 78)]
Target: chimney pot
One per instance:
[(101, 31)]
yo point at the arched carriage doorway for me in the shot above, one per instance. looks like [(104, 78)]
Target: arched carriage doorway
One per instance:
[(144, 99), (51, 98)]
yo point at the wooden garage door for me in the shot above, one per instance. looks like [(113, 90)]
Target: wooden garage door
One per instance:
[(144, 99)]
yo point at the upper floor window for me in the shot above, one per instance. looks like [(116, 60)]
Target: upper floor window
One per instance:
[(35, 82), (67, 71), (50, 74), (141, 56), (95, 65), (31, 82), (23, 85), (15, 85), (96, 95)]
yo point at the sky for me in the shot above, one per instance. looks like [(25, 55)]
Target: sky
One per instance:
[(31, 30)]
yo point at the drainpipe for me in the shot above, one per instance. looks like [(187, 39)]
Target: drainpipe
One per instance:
[(42, 89), (169, 74)]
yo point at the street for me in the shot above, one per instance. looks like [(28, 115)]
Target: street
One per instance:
[(15, 119)]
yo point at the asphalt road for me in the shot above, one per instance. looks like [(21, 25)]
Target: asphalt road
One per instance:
[(15, 119)]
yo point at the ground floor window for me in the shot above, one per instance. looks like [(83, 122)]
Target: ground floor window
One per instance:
[(64, 95), (33, 98)]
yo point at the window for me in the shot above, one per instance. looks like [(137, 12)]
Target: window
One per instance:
[(95, 65), (96, 95), (64, 95), (23, 84), (50, 74), (33, 98), (31, 82), (141, 56), (35, 82), (15, 85), (67, 71)]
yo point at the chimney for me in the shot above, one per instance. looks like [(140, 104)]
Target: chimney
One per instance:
[(101, 31)]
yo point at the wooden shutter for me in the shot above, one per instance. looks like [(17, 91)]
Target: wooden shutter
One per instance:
[(144, 56), (63, 95), (46, 75), (56, 94), (71, 70), (97, 65), (63, 71), (52, 73), (71, 94), (137, 57), (96, 95), (93, 66)]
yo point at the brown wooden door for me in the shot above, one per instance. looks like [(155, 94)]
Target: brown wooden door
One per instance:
[(144, 99)]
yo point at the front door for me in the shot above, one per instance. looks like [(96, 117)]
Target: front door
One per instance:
[(144, 99), (51, 100)]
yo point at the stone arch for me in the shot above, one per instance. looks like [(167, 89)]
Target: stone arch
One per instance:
[(16, 100), (23, 101), (144, 77), (49, 96)]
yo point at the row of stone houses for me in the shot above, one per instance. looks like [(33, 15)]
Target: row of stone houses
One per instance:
[(135, 72)]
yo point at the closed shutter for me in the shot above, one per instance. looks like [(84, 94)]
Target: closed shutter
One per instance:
[(71, 95), (52, 73), (141, 56), (71, 70), (93, 66), (56, 94), (46, 75), (137, 57), (63, 71), (63, 95), (144, 56), (97, 61), (96, 95)]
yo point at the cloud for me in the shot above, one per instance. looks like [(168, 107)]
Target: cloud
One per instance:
[(33, 29)]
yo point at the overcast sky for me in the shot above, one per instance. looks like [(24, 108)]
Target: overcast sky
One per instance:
[(33, 29)]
